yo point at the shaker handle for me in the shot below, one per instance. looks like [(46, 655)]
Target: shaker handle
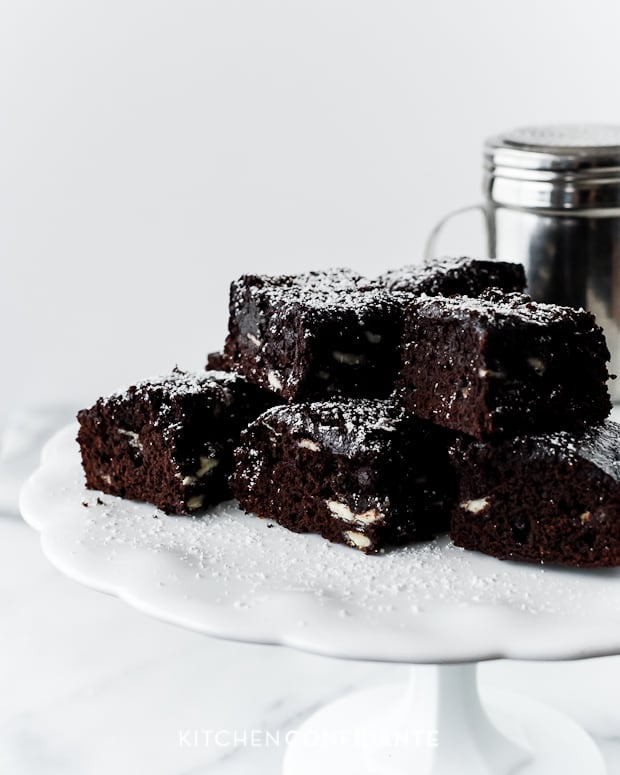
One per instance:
[(429, 249)]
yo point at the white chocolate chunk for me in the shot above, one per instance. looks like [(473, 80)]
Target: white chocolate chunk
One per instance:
[(358, 540), (491, 373), (206, 464), (195, 502), (255, 340), (274, 380), (585, 517), (476, 505), (132, 438), (309, 444), (537, 364), (107, 478), (348, 359), (343, 512), (373, 338)]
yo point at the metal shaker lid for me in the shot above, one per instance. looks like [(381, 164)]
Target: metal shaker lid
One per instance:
[(558, 167)]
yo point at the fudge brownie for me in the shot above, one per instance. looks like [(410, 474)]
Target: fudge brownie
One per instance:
[(460, 276), (315, 336), (360, 472), (503, 364), (169, 441), (216, 362), (546, 498)]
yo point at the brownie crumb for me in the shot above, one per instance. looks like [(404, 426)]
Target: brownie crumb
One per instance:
[(169, 441), (547, 498), (359, 472), (315, 336), (503, 364)]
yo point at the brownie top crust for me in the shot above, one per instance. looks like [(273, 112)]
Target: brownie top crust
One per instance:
[(497, 309), (174, 399), (320, 291), (460, 275), (179, 384), (598, 445), (349, 427)]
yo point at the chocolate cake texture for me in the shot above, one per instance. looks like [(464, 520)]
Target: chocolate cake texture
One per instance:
[(216, 362), (552, 498), (502, 364), (336, 334), (462, 276), (314, 336), (169, 441), (359, 472)]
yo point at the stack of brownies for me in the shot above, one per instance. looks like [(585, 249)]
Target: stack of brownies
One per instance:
[(380, 412)]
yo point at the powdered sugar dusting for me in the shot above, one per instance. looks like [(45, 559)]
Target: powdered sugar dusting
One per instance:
[(237, 576), (324, 291), (346, 427), (229, 548), (598, 445), (180, 383), (441, 276), (165, 392), (497, 308)]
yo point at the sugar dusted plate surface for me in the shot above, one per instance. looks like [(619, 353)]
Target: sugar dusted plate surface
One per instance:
[(234, 576)]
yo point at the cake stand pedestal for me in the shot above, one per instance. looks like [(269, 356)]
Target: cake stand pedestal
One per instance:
[(439, 726), (434, 606)]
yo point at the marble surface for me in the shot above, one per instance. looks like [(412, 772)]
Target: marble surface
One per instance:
[(89, 686)]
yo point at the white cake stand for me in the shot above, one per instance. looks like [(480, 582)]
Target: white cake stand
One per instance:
[(434, 606)]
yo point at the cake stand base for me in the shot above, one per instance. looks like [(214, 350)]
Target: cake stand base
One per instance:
[(438, 726)]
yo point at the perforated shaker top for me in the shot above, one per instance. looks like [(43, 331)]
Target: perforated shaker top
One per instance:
[(561, 167)]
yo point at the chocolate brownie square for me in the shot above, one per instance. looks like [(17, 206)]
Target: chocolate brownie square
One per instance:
[(216, 362), (461, 276), (314, 336), (359, 472), (169, 441), (503, 364), (551, 498)]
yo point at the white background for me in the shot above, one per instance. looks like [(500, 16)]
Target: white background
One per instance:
[(152, 151)]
